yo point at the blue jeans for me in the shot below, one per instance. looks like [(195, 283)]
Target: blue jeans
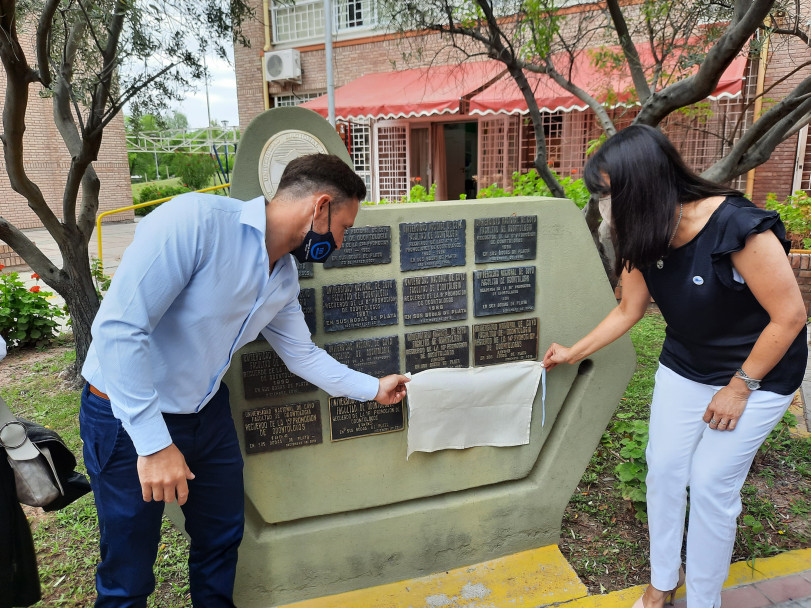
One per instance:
[(130, 527)]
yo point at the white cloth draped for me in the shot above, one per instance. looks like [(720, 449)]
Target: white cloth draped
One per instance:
[(475, 406)]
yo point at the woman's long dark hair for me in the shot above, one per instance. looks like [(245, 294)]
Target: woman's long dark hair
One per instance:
[(648, 179)]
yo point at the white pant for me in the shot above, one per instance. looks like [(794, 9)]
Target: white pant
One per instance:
[(683, 451)]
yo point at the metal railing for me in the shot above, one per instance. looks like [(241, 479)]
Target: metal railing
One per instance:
[(139, 206)]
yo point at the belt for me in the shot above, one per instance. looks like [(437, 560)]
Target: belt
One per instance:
[(97, 392)]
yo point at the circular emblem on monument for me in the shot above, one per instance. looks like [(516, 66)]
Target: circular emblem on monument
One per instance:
[(279, 150)]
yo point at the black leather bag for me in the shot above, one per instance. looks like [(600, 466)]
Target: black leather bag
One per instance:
[(43, 465)]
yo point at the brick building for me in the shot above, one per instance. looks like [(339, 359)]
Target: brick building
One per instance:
[(478, 133), (47, 162)]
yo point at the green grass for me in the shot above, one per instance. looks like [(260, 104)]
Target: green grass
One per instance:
[(136, 188), (609, 553), (174, 181), (67, 540)]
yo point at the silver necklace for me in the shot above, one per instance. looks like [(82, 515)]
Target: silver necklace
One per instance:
[(660, 262)]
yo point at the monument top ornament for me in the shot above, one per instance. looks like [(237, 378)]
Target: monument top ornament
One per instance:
[(279, 151), (272, 140)]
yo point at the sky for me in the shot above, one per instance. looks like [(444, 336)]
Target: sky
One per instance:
[(222, 96)]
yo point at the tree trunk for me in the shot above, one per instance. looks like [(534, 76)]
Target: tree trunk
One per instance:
[(80, 296), (592, 214)]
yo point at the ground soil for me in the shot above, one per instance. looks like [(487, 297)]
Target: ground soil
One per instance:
[(608, 547)]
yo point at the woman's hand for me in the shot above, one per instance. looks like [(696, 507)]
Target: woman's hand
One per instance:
[(556, 354), (726, 408)]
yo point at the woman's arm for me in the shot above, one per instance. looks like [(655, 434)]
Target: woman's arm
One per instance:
[(763, 265), (635, 300)]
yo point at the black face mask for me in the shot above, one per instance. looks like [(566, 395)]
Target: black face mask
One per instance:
[(316, 247)]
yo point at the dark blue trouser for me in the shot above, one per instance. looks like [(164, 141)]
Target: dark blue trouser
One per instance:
[(130, 527)]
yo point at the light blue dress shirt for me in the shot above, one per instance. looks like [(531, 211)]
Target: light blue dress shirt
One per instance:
[(191, 289)]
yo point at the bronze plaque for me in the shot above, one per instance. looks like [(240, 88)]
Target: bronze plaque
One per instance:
[(278, 427), (306, 297), (505, 341), (264, 374), (349, 418), (305, 270), (374, 356), (503, 290), (363, 246), (504, 239), (435, 298), (358, 305), (432, 244), (449, 347)]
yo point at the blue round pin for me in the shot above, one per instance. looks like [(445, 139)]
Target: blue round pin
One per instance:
[(698, 280)]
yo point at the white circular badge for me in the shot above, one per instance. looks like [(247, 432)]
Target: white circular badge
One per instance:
[(279, 150)]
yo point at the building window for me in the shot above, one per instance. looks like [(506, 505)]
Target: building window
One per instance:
[(498, 151), (305, 19), (294, 99), (392, 161), (360, 150)]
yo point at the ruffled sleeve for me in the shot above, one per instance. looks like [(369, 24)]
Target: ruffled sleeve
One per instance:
[(741, 220)]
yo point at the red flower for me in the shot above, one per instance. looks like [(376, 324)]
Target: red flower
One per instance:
[(35, 276), (419, 179), (574, 171), (1, 266), (34, 289)]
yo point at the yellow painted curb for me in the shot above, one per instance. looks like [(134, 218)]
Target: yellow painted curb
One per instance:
[(531, 579), (528, 579), (796, 408), (740, 573)]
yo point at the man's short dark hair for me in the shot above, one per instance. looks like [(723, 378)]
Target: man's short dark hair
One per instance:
[(313, 172)]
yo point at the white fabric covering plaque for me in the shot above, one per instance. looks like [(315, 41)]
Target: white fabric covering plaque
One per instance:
[(452, 408)]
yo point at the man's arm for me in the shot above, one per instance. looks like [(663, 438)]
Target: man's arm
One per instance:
[(154, 270), (289, 336)]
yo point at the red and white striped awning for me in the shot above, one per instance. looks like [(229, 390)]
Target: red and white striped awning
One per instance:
[(443, 89)]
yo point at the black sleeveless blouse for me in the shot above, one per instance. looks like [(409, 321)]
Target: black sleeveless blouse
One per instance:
[(713, 320)]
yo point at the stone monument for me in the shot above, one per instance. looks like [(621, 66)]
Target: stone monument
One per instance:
[(332, 504)]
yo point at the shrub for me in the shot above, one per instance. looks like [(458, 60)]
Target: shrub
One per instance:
[(152, 193), (26, 316), (194, 170), (531, 184), (795, 212)]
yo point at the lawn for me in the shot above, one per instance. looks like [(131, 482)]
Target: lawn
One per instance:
[(603, 534)]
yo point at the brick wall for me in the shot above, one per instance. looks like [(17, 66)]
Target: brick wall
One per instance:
[(248, 68), (785, 55), (47, 162), (801, 263)]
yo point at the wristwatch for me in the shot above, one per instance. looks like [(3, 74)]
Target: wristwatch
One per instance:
[(751, 383)]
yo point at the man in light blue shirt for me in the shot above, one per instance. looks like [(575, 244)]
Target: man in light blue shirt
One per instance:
[(203, 277)]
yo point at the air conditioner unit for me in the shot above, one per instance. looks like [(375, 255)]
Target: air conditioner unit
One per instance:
[(282, 65)]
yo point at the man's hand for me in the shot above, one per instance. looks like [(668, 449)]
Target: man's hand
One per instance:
[(163, 475), (392, 389)]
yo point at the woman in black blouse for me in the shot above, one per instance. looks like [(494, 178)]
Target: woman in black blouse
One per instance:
[(734, 353)]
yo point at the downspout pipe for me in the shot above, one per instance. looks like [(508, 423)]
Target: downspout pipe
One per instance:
[(761, 79), (328, 59), (265, 49)]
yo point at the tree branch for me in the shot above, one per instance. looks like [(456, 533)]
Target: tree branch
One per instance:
[(18, 76), (43, 43), (28, 251), (748, 17), (760, 140), (629, 49)]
